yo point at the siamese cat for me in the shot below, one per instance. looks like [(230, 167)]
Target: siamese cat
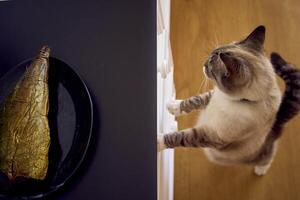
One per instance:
[(244, 114)]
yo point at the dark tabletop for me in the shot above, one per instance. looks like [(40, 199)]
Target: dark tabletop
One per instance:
[(112, 44)]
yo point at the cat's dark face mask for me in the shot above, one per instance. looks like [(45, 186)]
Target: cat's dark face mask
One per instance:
[(230, 66)]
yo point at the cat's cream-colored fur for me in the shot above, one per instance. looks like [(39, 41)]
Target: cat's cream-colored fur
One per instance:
[(244, 123), (248, 123)]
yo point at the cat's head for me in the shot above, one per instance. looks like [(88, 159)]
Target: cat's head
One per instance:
[(239, 67)]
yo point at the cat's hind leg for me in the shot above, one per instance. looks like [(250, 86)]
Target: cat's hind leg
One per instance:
[(261, 170), (264, 165)]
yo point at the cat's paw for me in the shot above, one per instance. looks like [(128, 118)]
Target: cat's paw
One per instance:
[(160, 143), (173, 107), (261, 170)]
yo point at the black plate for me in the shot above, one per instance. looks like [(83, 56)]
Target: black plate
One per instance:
[(70, 120)]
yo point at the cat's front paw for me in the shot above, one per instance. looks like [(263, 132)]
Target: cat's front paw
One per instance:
[(173, 107), (160, 143)]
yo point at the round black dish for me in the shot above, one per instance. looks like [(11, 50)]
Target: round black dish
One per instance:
[(70, 120)]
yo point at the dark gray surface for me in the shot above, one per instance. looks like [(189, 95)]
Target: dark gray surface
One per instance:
[(112, 44)]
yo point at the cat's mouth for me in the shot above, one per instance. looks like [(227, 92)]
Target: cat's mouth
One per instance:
[(208, 72)]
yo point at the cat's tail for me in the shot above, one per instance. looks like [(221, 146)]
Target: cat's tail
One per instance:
[(290, 103)]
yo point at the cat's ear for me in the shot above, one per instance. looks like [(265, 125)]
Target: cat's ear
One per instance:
[(230, 63), (256, 39)]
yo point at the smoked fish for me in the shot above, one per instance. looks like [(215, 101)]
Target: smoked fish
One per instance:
[(24, 127)]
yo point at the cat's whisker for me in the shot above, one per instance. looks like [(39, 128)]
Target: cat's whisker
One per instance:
[(211, 45), (216, 39), (203, 57), (207, 52), (201, 86), (205, 87)]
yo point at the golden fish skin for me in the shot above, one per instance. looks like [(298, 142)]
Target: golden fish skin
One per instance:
[(24, 128)]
